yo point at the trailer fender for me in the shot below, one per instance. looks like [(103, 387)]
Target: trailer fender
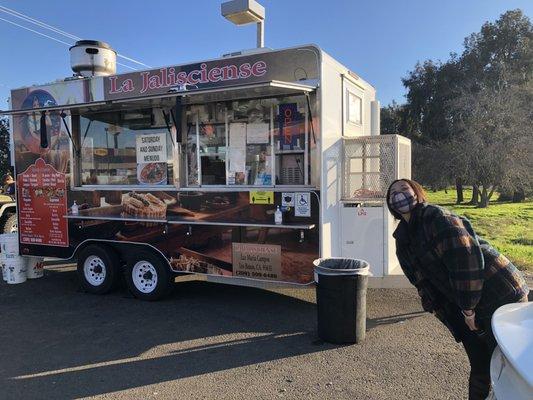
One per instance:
[(125, 250), (8, 207)]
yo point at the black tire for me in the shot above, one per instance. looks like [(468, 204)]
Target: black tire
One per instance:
[(98, 268), (10, 224), (152, 280)]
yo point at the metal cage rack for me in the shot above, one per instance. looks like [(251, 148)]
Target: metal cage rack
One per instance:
[(371, 163)]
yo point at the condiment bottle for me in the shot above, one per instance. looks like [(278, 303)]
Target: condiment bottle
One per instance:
[(74, 208), (278, 216)]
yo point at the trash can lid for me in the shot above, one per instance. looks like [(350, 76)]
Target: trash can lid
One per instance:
[(341, 266)]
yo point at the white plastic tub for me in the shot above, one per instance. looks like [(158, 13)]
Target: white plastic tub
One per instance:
[(3, 267), (34, 267), (9, 243), (16, 269)]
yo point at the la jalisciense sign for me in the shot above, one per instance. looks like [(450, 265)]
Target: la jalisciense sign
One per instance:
[(185, 78)]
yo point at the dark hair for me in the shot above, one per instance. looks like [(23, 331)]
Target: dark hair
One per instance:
[(6, 176), (417, 188)]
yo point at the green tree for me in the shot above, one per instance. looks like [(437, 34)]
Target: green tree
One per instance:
[(430, 88), (498, 64), (501, 53), (392, 119), (460, 110)]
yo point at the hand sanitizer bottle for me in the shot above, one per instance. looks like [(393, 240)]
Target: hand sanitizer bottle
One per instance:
[(74, 208), (278, 216)]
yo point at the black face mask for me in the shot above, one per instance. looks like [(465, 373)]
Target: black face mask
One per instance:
[(403, 202)]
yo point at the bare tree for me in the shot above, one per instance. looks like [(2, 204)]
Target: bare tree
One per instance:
[(494, 146)]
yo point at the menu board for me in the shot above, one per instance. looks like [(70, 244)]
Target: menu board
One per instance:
[(42, 205)]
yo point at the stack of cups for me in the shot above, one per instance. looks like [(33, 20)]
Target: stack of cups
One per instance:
[(13, 265)]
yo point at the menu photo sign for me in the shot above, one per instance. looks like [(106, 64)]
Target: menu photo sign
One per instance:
[(258, 261), (151, 148), (42, 205), (152, 159)]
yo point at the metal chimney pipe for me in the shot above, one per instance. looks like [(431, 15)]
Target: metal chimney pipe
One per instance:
[(261, 34)]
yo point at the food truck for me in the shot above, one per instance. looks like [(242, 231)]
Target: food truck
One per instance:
[(242, 169)]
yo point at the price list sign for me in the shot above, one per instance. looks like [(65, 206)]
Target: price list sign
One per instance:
[(42, 205)]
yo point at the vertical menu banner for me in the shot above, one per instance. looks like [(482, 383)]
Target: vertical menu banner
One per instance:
[(42, 205)]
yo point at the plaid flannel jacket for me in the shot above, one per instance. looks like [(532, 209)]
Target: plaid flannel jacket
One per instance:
[(449, 264)]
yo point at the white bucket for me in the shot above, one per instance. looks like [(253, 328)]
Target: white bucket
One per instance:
[(9, 243), (34, 267), (3, 267), (16, 269)]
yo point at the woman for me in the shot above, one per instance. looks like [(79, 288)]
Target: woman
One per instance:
[(460, 277), (9, 184)]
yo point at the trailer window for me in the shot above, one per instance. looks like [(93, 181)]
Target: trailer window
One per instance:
[(250, 143), (354, 108), (206, 144), (125, 147), (258, 142), (291, 141)]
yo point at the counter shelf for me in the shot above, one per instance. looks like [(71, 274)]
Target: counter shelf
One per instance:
[(190, 221), (115, 218)]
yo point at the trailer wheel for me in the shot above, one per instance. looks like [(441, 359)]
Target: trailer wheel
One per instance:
[(98, 268), (147, 276), (10, 224)]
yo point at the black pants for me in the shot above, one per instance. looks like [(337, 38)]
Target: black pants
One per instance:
[(479, 347)]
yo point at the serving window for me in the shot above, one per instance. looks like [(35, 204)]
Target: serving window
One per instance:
[(253, 142), (125, 147), (180, 142)]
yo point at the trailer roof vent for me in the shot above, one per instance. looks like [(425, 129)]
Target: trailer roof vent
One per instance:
[(93, 58)]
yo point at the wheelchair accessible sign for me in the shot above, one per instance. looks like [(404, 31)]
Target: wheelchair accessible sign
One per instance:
[(302, 205)]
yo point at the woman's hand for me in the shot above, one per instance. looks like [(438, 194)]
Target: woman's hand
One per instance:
[(470, 319)]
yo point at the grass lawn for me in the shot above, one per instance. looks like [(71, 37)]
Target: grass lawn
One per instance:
[(507, 226)]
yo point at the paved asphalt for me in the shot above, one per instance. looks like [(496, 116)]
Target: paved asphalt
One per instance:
[(210, 341)]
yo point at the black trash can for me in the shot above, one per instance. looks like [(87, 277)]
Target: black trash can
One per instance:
[(341, 285)]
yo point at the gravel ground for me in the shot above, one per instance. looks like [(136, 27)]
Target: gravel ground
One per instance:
[(211, 341)]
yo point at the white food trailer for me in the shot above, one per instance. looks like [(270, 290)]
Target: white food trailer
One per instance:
[(182, 169)]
